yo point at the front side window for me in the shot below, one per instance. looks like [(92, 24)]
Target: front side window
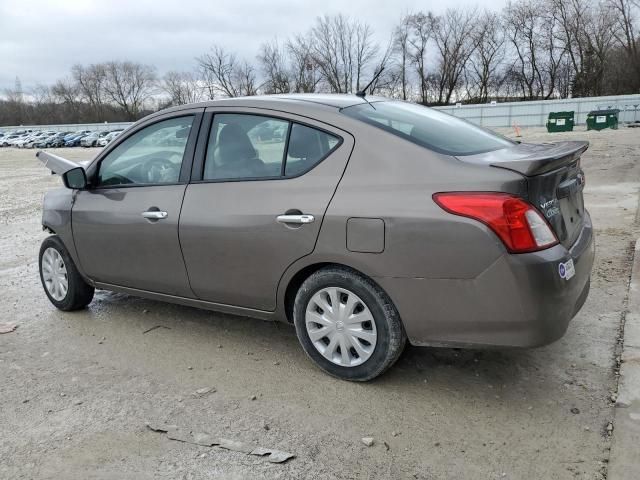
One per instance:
[(427, 127), (245, 146), (150, 156)]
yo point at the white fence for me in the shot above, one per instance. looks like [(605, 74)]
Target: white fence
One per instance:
[(534, 114), (99, 127)]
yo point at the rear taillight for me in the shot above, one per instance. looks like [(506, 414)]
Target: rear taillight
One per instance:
[(518, 224)]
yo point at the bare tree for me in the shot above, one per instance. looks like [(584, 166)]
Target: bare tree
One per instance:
[(343, 49), (627, 35), (65, 91), (128, 85), (384, 78), (487, 57), (42, 105), (522, 19), (365, 51), (182, 87), (600, 42), (245, 76), (572, 17), (401, 50), (273, 61), (91, 86), (218, 68), (454, 38), (14, 104), (305, 73), (421, 33), (41, 94), (554, 54), (225, 75)]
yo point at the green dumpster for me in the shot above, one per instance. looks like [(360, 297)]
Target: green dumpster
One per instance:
[(600, 119), (560, 122)]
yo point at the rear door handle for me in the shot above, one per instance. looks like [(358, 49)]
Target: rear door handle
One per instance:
[(154, 214), (295, 218)]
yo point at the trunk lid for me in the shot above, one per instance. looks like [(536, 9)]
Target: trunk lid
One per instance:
[(554, 181)]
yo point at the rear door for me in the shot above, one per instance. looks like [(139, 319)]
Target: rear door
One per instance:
[(260, 187)]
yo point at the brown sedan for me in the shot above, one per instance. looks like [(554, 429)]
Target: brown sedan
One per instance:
[(365, 222)]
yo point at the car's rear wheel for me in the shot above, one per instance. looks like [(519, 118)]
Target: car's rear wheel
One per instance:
[(347, 324), (62, 283)]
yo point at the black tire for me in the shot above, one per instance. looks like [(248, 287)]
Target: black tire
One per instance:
[(79, 293), (391, 335)]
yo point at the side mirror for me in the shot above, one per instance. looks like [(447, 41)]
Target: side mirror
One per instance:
[(75, 178)]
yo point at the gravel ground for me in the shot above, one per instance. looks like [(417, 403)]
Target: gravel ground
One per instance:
[(77, 388)]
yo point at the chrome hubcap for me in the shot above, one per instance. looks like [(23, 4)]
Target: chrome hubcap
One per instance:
[(54, 274), (341, 326)]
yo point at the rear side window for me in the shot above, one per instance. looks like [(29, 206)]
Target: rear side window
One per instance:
[(243, 146), (428, 128), (307, 147)]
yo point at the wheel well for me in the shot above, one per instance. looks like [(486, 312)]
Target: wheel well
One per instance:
[(294, 285), (299, 278)]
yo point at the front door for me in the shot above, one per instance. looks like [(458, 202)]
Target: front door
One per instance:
[(125, 227), (257, 203)]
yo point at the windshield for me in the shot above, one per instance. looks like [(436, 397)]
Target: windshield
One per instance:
[(428, 128)]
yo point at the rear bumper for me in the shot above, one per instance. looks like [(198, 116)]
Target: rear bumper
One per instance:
[(520, 300)]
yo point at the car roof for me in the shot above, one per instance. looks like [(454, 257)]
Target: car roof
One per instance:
[(315, 101)]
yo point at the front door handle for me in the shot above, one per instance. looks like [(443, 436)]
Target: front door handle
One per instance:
[(154, 214), (296, 219)]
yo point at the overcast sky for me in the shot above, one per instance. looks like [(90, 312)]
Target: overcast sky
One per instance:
[(40, 40)]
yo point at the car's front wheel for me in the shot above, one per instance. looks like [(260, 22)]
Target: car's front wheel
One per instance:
[(62, 283), (347, 324)]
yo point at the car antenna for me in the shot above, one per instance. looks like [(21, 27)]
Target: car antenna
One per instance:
[(363, 92)]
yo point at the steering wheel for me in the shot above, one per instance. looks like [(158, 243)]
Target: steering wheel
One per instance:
[(161, 170)]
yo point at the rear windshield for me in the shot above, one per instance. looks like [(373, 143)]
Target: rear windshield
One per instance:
[(429, 128)]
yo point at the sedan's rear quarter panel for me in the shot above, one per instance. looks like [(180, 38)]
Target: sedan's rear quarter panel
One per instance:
[(394, 180), (445, 273)]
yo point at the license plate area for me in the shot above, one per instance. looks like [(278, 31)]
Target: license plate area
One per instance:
[(558, 195)]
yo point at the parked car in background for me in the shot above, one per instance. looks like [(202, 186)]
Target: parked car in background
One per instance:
[(91, 140), (107, 138), (18, 143), (21, 143), (55, 140), (75, 140), (58, 139), (30, 138), (42, 141), (8, 139), (17, 139), (369, 224), (30, 141)]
